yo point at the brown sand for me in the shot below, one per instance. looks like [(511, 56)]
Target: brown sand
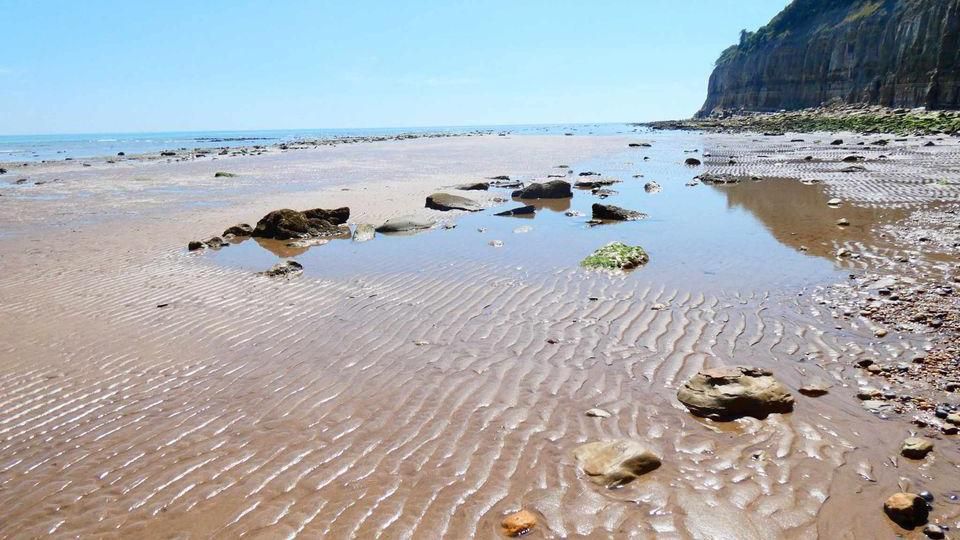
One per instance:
[(409, 401)]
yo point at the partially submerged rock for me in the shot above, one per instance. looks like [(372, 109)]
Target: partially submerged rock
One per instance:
[(616, 256), (475, 186), (222, 174), (610, 212), (554, 189), (652, 187), (286, 224), (615, 463), (734, 392), (692, 161), (527, 210), (405, 224), (445, 202), (596, 183), (284, 269), (908, 510), (364, 232), (240, 229)]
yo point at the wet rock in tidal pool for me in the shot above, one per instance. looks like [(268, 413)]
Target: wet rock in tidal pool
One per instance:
[(597, 183), (616, 256), (734, 392), (692, 161), (554, 189), (908, 510), (285, 223), (223, 174), (475, 186), (916, 448), (615, 463), (194, 245), (445, 202), (518, 523), (934, 531), (520, 211), (405, 224), (364, 232), (610, 212), (307, 243), (240, 229), (652, 187), (215, 242), (284, 269)]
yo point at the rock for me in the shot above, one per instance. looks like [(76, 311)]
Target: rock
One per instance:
[(307, 243), (283, 269), (615, 463), (953, 418), (843, 253), (285, 224), (222, 174), (837, 142), (610, 212), (853, 159), (692, 161), (495, 243), (364, 232), (908, 510), (616, 256), (476, 186), (167, 153), (195, 245), (834, 202), (734, 392), (598, 413), (215, 242), (240, 229), (934, 531), (916, 448), (843, 222), (554, 189), (445, 202), (815, 387), (3, 171), (594, 184), (405, 224), (853, 168), (518, 523), (519, 211), (652, 187)]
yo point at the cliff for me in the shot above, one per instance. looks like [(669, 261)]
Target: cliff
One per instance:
[(895, 53)]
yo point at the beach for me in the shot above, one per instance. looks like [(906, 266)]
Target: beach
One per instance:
[(427, 385)]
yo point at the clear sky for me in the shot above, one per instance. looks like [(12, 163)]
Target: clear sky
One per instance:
[(94, 66)]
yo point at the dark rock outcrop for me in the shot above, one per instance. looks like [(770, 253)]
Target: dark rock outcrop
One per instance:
[(609, 212), (554, 189), (896, 53), (285, 224)]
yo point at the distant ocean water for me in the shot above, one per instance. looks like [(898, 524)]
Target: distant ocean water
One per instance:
[(23, 148)]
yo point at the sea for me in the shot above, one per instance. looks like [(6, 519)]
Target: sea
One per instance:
[(32, 148)]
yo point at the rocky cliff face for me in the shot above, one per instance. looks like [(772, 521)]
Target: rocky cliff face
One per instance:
[(897, 53)]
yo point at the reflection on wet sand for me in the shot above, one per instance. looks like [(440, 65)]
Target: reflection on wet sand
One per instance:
[(797, 214)]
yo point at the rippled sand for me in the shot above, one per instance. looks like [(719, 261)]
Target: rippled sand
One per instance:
[(417, 392)]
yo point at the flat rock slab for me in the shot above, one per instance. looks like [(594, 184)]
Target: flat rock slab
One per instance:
[(733, 392), (554, 189), (615, 463), (520, 211), (405, 224), (476, 186), (445, 202), (609, 212)]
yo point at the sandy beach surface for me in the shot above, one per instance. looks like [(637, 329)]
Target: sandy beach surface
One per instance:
[(427, 385)]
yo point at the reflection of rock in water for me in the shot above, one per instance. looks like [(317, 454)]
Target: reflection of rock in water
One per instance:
[(797, 214), (557, 205)]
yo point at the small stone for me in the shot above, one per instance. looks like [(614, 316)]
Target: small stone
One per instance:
[(834, 202), (916, 448), (953, 418), (615, 463), (880, 332), (843, 222), (496, 243), (815, 387), (195, 245), (519, 523), (933, 531), (906, 509)]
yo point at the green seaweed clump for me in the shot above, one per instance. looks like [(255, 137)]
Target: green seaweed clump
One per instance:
[(616, 256), (221, 174)]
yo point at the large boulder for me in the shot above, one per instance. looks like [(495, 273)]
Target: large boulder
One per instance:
[(405, 224), (610, 212), (445, 202), (615, 463), (285, 224), (734, 392), (908, 510), (554, 189)]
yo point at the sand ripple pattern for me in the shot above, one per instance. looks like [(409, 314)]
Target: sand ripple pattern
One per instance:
[(399, 405)]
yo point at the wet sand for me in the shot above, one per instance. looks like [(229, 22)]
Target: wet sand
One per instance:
[(427, 385)]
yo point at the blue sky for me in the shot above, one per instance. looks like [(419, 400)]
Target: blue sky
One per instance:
[(110, 66)]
